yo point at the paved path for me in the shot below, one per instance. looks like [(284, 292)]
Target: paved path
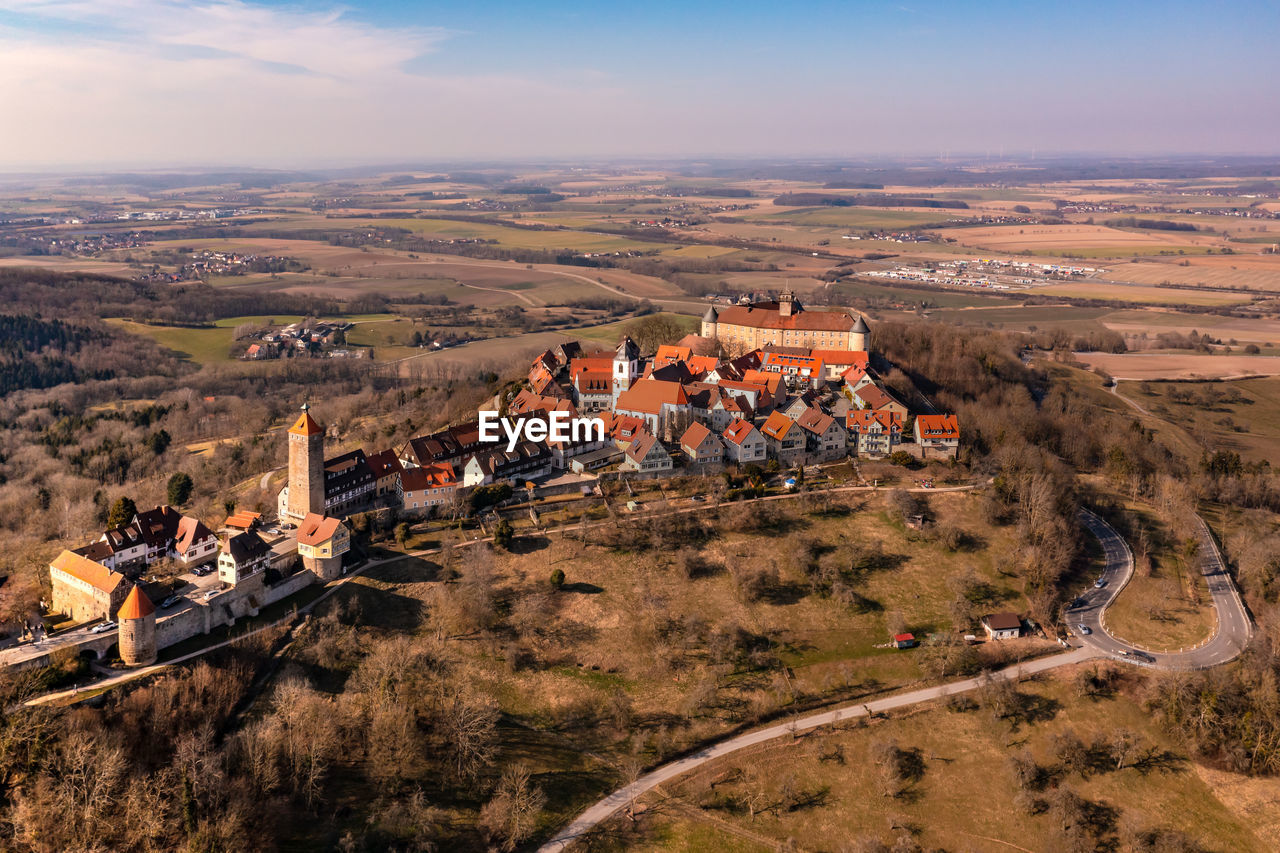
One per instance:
[(605, 808), (1230, 636)]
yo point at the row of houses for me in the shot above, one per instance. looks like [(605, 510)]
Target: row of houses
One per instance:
[(678, 406)]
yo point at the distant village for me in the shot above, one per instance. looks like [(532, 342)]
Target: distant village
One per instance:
[(991, 273)]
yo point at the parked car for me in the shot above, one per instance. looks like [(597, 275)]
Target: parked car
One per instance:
[(170, 602), (1099, 583), (103, 628), (1084, 629)]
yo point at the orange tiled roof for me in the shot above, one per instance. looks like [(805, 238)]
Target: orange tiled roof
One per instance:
[(938, 426), (738, 431), (777, 426), (305, 425), (316, 529), (694, 436), (650, 395), (136, 605), (94, 574)]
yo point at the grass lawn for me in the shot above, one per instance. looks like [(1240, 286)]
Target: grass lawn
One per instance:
[(1139, 293), (1169, 608), (610, 333), (827, 785), (206, 345), (1241, 415)]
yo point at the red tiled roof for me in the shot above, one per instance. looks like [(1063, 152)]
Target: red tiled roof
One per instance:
[(777, 426), (136, 605), (305, 425), (875, 397), (650, 395), (861, 419), (640, 447), (700, 364), (815, 421), (434, 476), (316, 529), (842, 356), (738, 431), (668, 354), (780, 359), (94, 574), (938, 426), (764, 315), (190, 531), (384, 463), (593, 381), (694, 436)]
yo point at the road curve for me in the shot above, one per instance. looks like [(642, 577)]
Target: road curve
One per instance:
[(605, 808), (1230, 636)]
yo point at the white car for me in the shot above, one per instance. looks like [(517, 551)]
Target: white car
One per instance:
[(1084, 629), (103, 628)]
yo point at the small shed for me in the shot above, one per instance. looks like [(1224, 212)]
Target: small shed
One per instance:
[(904, 641), (1002, 626)]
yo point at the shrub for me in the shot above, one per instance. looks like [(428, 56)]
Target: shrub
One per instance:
[(557, 578)]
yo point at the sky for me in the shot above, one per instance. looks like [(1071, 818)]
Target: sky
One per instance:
[(163, 83)]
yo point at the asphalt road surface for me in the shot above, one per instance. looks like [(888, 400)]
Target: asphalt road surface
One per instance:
[(1229, 639)]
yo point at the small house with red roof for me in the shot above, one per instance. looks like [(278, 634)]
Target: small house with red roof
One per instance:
[(938, 435), (784, 440), (701, 446), (743, 443)]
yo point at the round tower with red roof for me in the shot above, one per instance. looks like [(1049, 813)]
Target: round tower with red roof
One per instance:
[(137, 640)]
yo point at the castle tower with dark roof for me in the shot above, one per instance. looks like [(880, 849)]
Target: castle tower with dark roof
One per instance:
[(137, 637)]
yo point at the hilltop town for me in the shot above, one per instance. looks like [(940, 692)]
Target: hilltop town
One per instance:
[(802, 391)]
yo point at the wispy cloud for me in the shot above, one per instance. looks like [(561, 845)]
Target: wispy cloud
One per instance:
[(225, 80)]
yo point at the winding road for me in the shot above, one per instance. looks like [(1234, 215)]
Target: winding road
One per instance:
[(1230, 636), (1228, 641)]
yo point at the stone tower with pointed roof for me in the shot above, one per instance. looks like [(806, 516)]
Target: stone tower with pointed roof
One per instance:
[(306, 466), (860, 335), (137, 637)]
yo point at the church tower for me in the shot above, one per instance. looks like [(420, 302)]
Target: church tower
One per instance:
[(306, 466), (626, 366)]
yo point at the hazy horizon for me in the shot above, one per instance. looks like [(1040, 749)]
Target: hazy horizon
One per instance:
[(140, 84)]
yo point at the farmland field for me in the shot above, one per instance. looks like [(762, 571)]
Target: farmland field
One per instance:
[(1180, 365), (1137, 293), (1231, 271), (1078, 240)]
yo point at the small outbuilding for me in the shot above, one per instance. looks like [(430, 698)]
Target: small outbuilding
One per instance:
[(904, 641), (1002, 626)]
